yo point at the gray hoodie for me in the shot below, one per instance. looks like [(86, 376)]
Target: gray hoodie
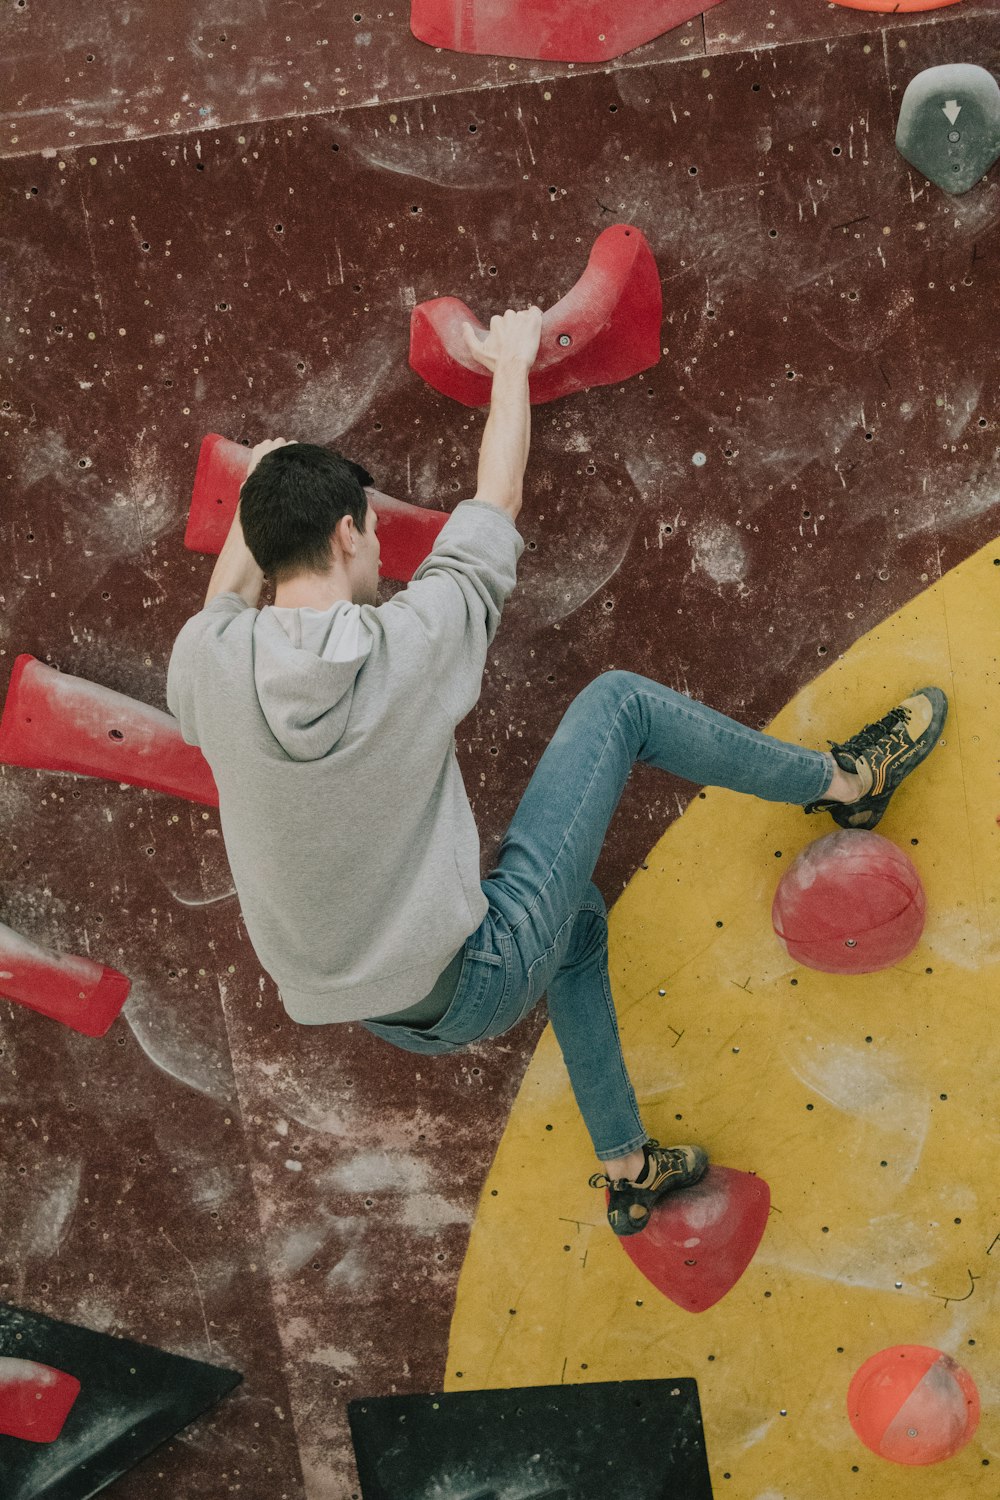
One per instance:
[(331, 737)]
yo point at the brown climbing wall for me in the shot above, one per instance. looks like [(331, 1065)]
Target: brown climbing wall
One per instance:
[(818, 442)]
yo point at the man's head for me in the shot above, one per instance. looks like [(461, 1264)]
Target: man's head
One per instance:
[(307, 521)]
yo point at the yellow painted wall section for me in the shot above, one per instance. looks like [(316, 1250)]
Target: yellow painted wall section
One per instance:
[(867, 1102)]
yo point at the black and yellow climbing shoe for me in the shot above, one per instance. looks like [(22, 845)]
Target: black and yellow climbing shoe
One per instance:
[(667, 1168), (883, 754)]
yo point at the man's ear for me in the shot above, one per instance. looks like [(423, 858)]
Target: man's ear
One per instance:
[(345, 537)]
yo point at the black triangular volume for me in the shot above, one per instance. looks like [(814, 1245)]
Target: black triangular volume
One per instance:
[(132, 1398), (643, 1438)]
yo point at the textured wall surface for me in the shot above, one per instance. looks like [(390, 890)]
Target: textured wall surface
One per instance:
[(196, 239)]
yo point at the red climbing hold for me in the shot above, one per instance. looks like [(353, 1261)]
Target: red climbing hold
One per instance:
[(406, 532), (555, 30), (913, 1405), (897, 7), (35, 1399), (605, 329), (77, 991), (850, 903), (699, 1241), (53, 721)]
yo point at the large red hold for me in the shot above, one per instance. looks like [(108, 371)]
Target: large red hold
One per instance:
[(53, 721), (84, 995), (35, 1399), (850, 903), (700, 1240), (555, 30), (406, 532), (605, 329), (913, 1405)]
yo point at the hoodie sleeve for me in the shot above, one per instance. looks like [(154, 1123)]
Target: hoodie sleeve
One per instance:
[(456, 597), (186, 664)]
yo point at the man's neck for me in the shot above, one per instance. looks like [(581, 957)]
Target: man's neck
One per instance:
[(311, 593)]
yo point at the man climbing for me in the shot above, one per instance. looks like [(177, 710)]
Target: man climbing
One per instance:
[(329, 723)]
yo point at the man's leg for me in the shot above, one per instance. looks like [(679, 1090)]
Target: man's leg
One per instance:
[(542, 879), (542, 882)]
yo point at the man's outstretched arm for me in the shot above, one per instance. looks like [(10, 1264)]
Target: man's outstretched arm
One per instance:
[(509, 350)]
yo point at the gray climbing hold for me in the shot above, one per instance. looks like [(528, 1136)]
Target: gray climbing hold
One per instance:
[(949, 125)]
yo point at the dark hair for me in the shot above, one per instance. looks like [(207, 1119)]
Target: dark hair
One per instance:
[(292, 501)]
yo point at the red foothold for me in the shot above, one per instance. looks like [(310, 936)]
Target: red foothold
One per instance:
[(84, 995), (700, 1240), (913, 1405), (35, 1400), (850, 903)]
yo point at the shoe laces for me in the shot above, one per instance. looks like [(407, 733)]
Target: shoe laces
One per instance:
[(866, 738)]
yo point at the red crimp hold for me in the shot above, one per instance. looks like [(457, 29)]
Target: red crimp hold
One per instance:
[(53, 721), (35, 1400), (406, 532), (82, 994), (554, 30), (609, 325), (698, 1242)]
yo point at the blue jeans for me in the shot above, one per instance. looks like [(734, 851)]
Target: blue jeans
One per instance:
[(546, 931)]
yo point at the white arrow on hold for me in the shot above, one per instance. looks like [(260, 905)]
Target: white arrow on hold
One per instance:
[(952, 109)]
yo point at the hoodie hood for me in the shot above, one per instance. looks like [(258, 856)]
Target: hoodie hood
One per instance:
[(305, 663)]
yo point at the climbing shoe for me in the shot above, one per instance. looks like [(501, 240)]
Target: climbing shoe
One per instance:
[(883, 754), (666, 1169)]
